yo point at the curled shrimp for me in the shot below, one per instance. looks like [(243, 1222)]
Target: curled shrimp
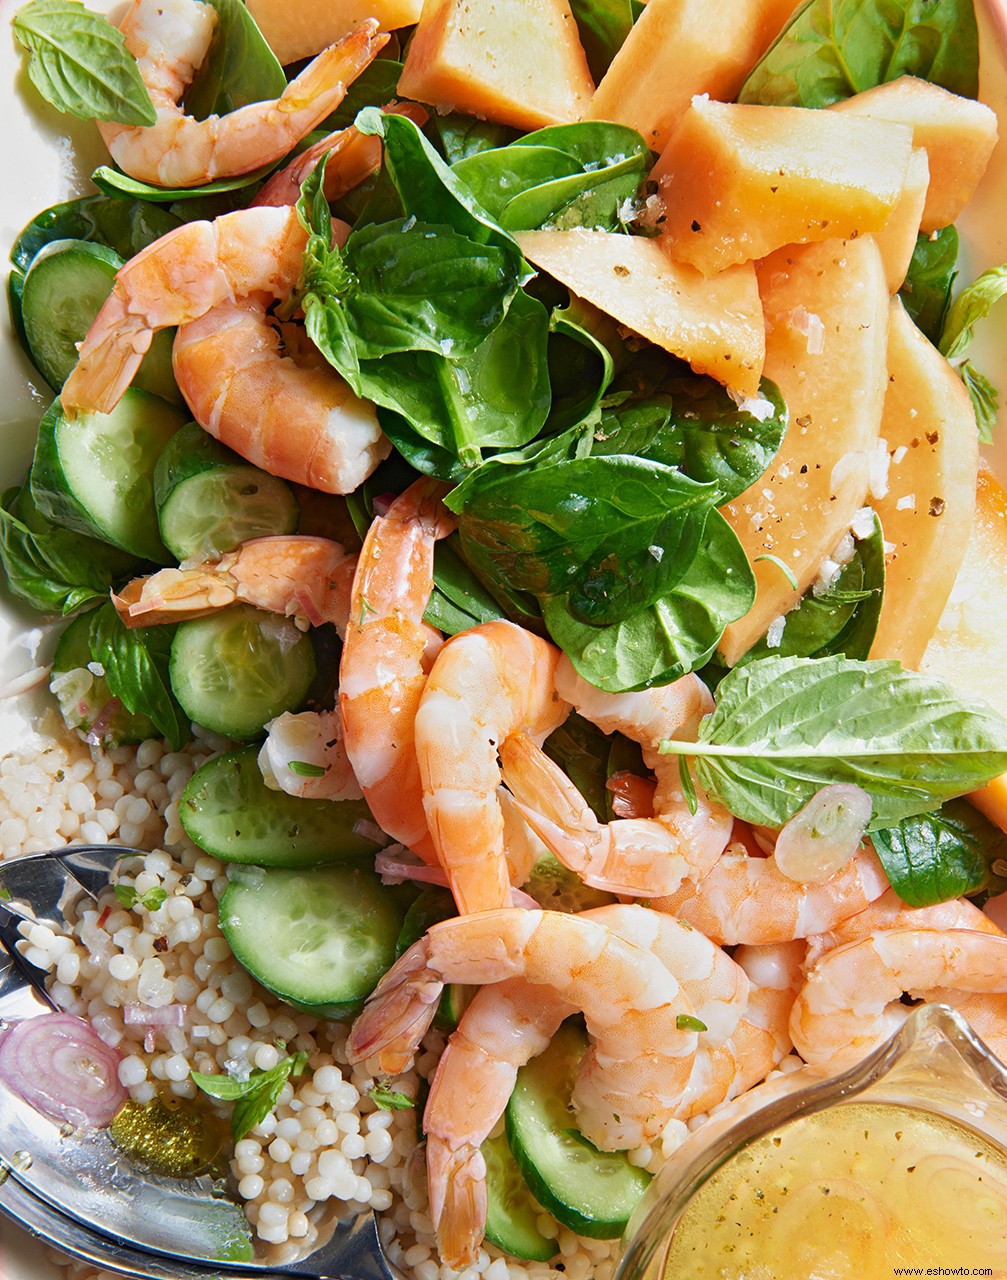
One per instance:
[(634, 856), (313, 738), (747, 899), (634, 1074), (296, 418), (353, 157), (486, 683), (180, 151), (304, 578), (388, 650), (851, 1000)]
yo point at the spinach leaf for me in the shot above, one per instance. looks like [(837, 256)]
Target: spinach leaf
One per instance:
[(461, 136), (374, 87), (496, 177), (785, 727), (833, 49), (609, 535), (255, 1097), (926, 293), (136, 671), (677, 633), (603, 26), (78, 61), (693, 424), (459, 599), (937, 856), (583, 346), (112, 182), (239, 68), (841, 621), (582, 751), (53, 570), (126, 226)]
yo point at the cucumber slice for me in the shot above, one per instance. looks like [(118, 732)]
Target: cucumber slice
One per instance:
[(84, 696), (592, 1192), (15, 288), (94, 474), (556, 888), (318, 938), (127, 226), (62, 293), (229, 811), (511, 1211), (238, 669), (209, 500)]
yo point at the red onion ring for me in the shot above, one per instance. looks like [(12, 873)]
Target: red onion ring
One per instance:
[(60, 1066)]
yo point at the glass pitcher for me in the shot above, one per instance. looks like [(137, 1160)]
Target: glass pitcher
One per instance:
[(935, 1071)]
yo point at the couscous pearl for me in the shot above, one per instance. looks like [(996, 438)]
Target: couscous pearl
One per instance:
[(68, 968), (288, 1129), (251, 1164), (300, 1163), (206, 868), (271, 1234), (332, 1164), (220, 1010), (185, 931), (327, 1079), (177, 1068), (344, 1097), (257, 1015), (145, 1092), (195, 888), (280, 1150), (266, 1057), (381, 1199), (132, 1071), (377, 1144), (251, 1187), (281, 1191), (327, 1133), (306, 1140), (317, 1189), (272, 1215), (123, 968), (297, 1225), (348, 1122)]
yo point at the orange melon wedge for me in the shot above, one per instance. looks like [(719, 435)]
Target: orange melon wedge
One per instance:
[(301, 30)]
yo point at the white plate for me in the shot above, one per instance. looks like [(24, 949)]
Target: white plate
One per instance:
[(48, 157)]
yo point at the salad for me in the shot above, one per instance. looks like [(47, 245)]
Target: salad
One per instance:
[(514, 557)]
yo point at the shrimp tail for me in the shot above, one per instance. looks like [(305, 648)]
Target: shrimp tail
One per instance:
[(322, 84), (458, 1199), (397, 1014), (98, 383)]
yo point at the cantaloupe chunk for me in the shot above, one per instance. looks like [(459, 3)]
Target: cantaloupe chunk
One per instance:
[(739, 180), (518, 62), (897, 238), (681, 47), (832, 374), (303, 29), (930, 428), (716, 324), (969, 647), (958, 133)]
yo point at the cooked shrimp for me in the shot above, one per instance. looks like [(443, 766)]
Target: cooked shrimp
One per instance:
[(634, 1074), (294, 417), (776, 972), (314, 739), (850, 1002), (387, 652), (746, 899), (486, 683), (353, 157), (302, 577), (633, 856), (170, 39)]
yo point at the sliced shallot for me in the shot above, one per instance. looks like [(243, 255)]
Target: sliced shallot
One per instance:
[(61, 1067), (824, 835)]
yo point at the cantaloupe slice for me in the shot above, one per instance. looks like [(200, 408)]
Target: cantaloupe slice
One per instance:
[(969, 647), (681, 47), (715, 324), (958, 133), (518, 62), (897, 238), (303, 29), (826, 309), (930, 429), (739, 180)]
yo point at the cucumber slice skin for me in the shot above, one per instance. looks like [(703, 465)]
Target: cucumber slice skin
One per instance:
[(15, 290), (127, 226), (95, 474), (73, 651), (320, 937), (591, 1192), (511, 1211), (229, 811), (236, 670), (209, 499)]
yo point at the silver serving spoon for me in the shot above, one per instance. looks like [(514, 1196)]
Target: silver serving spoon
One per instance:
[(77, 1190)]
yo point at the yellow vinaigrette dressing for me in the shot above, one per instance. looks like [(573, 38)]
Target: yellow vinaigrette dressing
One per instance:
[(856, 1190)]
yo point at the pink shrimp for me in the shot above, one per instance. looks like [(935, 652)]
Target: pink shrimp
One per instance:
[(180, 151), (633, 856), (487, 683), (387, 652)]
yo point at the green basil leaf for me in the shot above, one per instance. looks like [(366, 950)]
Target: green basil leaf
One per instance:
[(611, 535), (136, 671), (926, 293), (935, 857), (785, 727), (255, 1097), (125, 226), (114, 183), (677, 634), (971, 305), (841, 621), (833, 49), (80, 64), (239, 68), (985, 399), (126, 894), (603, 26), (376, 86), (51, 569), (389, 1099)]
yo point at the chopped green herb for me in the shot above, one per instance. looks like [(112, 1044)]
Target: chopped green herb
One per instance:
[(686, 1022), (304, 769), (255, 1097), (388, 1099)]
